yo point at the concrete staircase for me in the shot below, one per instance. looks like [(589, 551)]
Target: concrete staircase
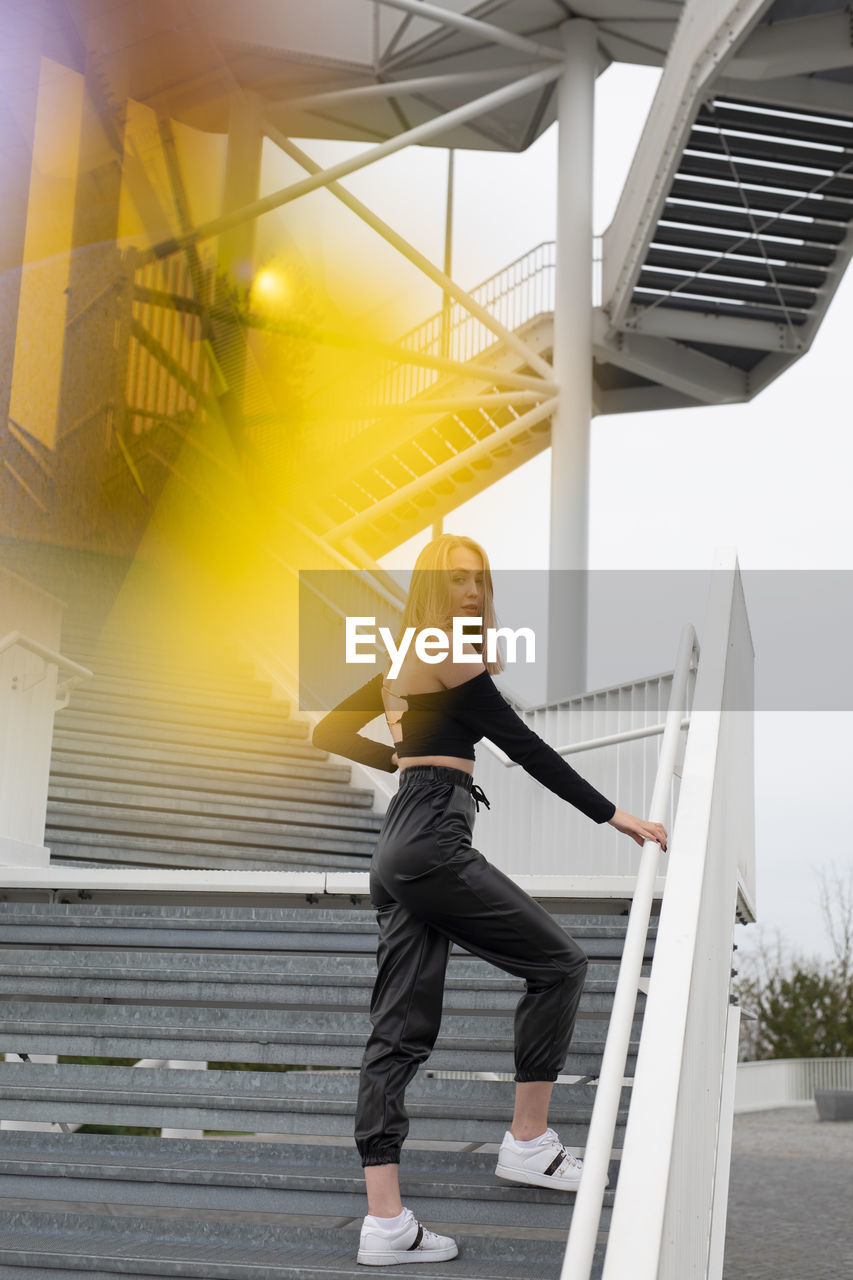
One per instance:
[(257, 993), (240, 1162), (160, 761)]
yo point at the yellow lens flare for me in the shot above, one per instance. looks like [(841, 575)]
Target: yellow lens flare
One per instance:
[(271, 290)]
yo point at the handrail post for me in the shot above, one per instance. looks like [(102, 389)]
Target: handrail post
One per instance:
[(661, 1221), (29, 664), (580, 1246)]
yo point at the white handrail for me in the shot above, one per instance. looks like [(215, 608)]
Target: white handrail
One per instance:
[(580, 1246), (606, 740), (667, 1203), (49, 655)]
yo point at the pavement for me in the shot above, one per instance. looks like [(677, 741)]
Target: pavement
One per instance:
[(790, 1211)]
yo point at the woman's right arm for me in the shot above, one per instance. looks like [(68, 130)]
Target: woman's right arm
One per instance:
[(338, 730), (481, 705), (484, 706)]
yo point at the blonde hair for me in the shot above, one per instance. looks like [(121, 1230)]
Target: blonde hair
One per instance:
[(428, 603)]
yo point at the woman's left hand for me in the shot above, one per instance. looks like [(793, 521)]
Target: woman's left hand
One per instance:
[(638, 829)]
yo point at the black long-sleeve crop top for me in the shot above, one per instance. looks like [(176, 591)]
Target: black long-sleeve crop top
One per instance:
[(447, 722)]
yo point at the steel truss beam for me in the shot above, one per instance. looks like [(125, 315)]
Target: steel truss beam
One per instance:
[(699, 326), (674, 365), (444, 281), (810, 94), (389, 88), (486, 30), (798, 46), (328, 337), (649, 399), (421, 133), (402, 355)]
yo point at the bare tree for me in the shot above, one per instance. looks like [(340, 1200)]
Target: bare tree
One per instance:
[(756, 971), (795, 1006), (836, 905)]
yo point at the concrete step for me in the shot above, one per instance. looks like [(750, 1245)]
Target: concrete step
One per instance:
[(280, 1102), (274, 827), (315, 928), (237, 678), (289, 738), (279, 979), (72, 779), (164, 715), (101, 826), (160, 662), (156, 692), (113, 751), (281, 1177), (97, 850), (63, 1245), (123, 662), (126, 644), (467, 1041)]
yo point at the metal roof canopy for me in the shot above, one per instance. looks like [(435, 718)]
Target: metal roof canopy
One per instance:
[(331, 69), (734, 226)]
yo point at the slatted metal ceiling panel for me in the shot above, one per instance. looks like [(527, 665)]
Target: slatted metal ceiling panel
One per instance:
[(760, 201)]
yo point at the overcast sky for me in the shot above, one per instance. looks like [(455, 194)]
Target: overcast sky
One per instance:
[(772, 477)]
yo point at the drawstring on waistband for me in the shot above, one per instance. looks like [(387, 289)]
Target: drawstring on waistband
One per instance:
[(479, 794)]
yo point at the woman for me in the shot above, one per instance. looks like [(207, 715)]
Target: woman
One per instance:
[(431, 888)]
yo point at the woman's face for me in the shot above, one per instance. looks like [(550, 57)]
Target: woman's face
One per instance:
[(467, 589)]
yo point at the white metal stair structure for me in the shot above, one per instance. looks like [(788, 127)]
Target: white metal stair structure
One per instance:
[(122, 957), (171, 765)]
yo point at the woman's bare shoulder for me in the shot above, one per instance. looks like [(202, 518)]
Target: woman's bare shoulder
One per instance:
[(459, 672), (417, 676)]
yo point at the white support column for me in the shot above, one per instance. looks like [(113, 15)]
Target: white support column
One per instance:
[(236, 247), (27, 708), (572, 362)]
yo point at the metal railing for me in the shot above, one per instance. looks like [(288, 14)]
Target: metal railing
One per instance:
[(17, 639), (668, 1220), (514, 295), (590, 1198), (616, 728), (168, 371), (779, 1082)]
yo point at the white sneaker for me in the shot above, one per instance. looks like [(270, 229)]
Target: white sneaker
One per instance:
[(411, 1242), (546, 1165)]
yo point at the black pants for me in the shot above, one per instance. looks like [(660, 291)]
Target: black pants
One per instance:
[(431, 888)]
